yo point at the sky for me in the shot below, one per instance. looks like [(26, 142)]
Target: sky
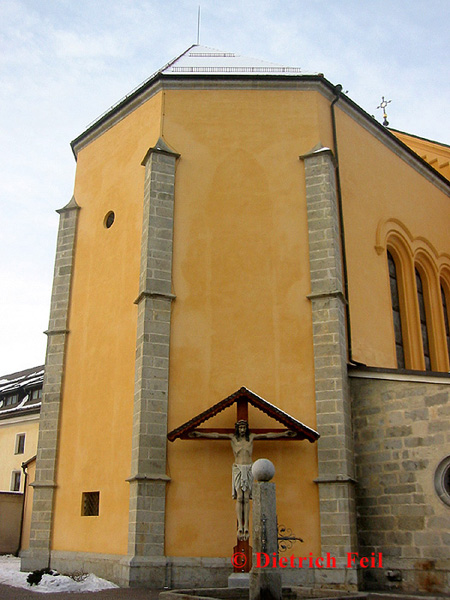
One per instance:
[(65, 62)]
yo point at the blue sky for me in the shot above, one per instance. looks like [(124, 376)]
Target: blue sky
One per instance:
[(64, 62)]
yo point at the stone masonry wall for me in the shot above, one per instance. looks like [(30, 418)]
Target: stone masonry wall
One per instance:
[(335, 446), (38, 554), (146, 561), (402, 433)]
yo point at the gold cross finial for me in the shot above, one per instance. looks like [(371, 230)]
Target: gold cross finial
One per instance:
[(383, 105)]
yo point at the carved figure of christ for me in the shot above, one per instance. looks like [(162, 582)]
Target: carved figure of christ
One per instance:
[(242, 479)]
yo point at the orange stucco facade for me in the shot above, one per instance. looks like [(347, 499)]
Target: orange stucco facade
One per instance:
[(240, 255), (240, 258), (99, 376)]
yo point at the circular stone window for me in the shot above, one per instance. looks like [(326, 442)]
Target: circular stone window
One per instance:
[(442, 480), (109, 219)]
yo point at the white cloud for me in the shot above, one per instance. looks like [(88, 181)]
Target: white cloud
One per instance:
[(70, 44)]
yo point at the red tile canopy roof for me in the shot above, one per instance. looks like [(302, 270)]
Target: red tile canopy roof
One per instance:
[(303, 431)]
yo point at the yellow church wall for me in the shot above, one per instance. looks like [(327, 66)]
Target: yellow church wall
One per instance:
[(10, 461), (241, 316), (377, 186), (97, 400)]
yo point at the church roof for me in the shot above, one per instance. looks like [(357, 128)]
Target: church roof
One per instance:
[(198, 61), (202, 65), (202, 60)]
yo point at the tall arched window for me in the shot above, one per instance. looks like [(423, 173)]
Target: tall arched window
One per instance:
[(446, 318), (423, 321), (396, 312)]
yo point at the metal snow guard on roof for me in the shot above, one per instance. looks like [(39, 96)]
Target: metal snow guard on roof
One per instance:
[(201, 60)]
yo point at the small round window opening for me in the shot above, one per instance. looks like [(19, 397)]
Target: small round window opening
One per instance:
[(109, 219), (442, 480)]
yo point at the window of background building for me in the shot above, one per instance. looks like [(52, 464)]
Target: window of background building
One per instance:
[(36, 394), (13, 399), (20, 443), (15, 481)]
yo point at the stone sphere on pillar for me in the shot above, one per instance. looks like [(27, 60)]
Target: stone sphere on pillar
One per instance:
[(263, 469)]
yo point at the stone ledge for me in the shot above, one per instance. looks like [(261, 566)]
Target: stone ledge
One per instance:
[(327, 294), (43, 484), (157, 295), (363, 372), (335, 479), (49, 332), (149, 477)]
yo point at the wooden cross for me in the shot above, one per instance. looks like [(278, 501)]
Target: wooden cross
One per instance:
[(242, 444)]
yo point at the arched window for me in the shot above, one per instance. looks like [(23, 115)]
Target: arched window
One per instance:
[(446, 318), (396, 312), (420, 293), (423, 321)]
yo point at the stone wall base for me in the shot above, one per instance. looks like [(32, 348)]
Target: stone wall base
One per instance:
[(408, 576), (396, 575), (133, 571), (33, 560)]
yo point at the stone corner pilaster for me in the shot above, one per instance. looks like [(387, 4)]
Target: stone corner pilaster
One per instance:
[(148, 478), (328, 306), (38, 555)]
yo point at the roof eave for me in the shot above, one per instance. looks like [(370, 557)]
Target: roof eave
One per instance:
[(160, 77), (302, 430), (20, 413), (158, 81)]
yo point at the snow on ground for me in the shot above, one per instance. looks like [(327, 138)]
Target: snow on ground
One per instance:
[(10, 574)]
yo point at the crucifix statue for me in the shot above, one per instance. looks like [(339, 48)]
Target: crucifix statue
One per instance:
[(242, 438), (242, 478)]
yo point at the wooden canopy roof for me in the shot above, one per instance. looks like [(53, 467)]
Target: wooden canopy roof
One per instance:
[(245, 395)]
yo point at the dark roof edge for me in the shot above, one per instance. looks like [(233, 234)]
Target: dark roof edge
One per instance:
[(160, 78), (395, 140)]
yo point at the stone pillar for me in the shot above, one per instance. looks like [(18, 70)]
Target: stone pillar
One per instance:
[(335, 446), (146, 561), (265, 583), (38, 555)]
